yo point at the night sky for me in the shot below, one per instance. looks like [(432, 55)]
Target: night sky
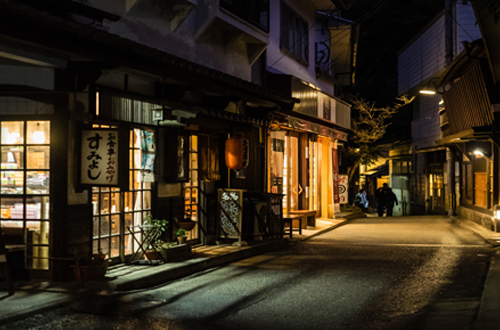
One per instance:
[(386, 27), (383, 33)]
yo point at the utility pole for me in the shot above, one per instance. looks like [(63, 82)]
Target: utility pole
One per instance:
[(449, 50)]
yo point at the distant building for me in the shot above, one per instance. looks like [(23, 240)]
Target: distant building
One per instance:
[(420, 64)]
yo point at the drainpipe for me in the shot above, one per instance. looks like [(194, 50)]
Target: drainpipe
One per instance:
[(450, 163)]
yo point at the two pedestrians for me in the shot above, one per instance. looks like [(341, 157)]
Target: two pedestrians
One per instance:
[(386, 200)]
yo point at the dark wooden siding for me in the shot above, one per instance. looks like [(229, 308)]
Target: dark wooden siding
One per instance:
[(467, 102)]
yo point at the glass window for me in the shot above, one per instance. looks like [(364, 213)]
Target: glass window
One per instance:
[(25, 173), (12, 132), (12, 157), (294, 34), (38, 157), (38, 132)]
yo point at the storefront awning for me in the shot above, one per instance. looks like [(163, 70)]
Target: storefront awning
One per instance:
[(307, 126)]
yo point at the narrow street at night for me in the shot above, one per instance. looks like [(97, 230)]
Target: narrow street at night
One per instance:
[(422, 272)]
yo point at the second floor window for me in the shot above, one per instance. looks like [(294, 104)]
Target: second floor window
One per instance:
[(294, 35)]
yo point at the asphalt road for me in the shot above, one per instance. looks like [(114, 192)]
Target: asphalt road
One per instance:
[(373, 273)]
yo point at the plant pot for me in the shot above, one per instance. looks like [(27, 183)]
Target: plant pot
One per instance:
[(98, 257), (188, 225), (152, 255), (172, 253), (181, 240), (92, 271)]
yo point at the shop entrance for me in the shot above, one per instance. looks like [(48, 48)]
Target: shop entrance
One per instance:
[(114, 210), (291, 186)]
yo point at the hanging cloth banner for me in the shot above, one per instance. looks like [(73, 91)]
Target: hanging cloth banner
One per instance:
[(335, 172)]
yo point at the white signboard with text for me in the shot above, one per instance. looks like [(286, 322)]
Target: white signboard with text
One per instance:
[(99, 158)]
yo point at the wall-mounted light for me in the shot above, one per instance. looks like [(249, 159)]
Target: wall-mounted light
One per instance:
[(496, 218), (478, 152), (430, 88)]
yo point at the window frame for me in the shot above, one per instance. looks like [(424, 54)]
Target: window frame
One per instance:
[(290, 26)]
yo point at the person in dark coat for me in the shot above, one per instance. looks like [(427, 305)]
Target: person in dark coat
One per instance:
[(386, 200)]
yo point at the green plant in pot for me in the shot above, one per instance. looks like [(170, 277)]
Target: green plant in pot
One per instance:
[(159, 226), (181, 235)]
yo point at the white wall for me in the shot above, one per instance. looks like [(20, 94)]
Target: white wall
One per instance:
[(278, 60), (423, 58)]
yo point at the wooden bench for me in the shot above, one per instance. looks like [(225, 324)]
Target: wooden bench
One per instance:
[(308, 217), (290, 219)]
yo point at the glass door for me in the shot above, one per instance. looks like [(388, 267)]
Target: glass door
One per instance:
[(314, 176), (115, 210), (291, 187), (191, 188)]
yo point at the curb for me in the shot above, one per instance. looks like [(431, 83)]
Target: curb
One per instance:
[(195, 266), (488, 316), (490, 237), (325, 230), (34, 309)]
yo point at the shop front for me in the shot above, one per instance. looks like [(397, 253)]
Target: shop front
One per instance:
[(304, 167), (26, 189)]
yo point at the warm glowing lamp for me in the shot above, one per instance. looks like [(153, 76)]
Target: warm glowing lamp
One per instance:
[(427, 91), (39, 137), (478, 152)]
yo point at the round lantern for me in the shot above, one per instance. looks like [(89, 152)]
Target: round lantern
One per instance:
[(236, 153)]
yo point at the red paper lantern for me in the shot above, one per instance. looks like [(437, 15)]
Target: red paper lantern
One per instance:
[(236, 153)]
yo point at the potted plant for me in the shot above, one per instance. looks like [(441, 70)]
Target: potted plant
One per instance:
[(172, 252), (181, 235), (159, 226)]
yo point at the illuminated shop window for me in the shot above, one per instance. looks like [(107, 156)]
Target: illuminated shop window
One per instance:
[(114, 210), (191, 188), (25, 186)]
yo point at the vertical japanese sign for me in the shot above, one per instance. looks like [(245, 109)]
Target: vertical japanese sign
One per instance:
[(99, 157), (343, 189), (335, 172)]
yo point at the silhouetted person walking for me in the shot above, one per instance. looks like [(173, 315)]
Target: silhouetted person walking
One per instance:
[(386, 199)]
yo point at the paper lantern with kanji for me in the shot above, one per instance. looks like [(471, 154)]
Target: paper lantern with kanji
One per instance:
[(236, 153)]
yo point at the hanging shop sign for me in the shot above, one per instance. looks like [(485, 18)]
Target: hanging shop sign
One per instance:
[(237, 153), (99, 157), (335, 170), (343, 189)]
